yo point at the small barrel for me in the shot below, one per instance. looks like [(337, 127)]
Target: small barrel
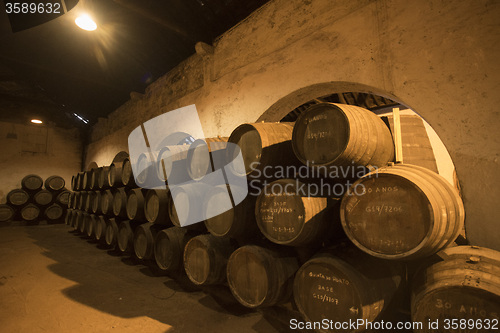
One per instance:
[(287, 215), (89, 201), (7, 213), (30, 212), (111, 234), (100, 229), (402, 212), (261, 145), (102, 177), (205, 259), (107, 202), (135, 204), (55, 183), (32, 183), (54, 213), (345, 285), (115, 174), (128, 179), (120, 202), (125, 238), (156, 207), (63, 198), (329, 134), (83, 222), (171, 164), (147, 176), (144, 236), (463, 283), (260, 277), (204, 156), (18, 197), (236, 222), (169, 248), (43, 198)]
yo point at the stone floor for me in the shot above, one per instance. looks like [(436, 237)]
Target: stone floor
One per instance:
[(53, 280)]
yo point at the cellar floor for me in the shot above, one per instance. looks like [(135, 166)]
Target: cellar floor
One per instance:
[(52, 280)]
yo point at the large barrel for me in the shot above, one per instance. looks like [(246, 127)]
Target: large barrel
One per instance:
[(463, 284), (120, 202), (261, 145), (107, 202), (186, 204), (79, 181), (54, 213), (82, 199), (128, 174), (94, 178), (76, 200), (289, 216), (87, 180), (144, 236), (83, 222), (205, 156), (7, 213), (345, 285), (32, 183), (171, 164), (146, 166), (100, 229), (135, 204), (63, 198), (260, 277), (30, 212), (18, 197), (205, 259), (89, 201), (236, 222), (73, 182), (125, 238), (43, 198), (156, 207), (169, 248), (102, 177), (115, 174), (90, 225), (402, 212), (75, 218), (96, 203), (329, 134), (69, 216), (55, 183), (111, 234)]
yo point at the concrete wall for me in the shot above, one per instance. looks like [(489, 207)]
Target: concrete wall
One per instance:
[(440, 58), (34, 149)]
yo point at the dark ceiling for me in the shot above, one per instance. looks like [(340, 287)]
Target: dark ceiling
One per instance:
[(56, 69)]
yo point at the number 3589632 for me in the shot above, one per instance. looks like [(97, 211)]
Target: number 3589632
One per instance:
[(33, 8)]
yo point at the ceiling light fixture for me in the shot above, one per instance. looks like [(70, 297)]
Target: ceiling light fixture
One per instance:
[(85, 22), (36, 121)]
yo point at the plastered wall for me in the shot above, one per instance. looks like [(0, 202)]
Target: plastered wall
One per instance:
[(440, 58)]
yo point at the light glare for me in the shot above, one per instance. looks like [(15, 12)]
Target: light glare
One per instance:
[(36, 121), (86, 23)]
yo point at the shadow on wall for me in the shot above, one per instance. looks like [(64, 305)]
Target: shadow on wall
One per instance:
[(107, 282)]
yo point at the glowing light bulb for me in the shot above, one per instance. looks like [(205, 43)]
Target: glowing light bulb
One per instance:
[(85, 22), (36, 121)]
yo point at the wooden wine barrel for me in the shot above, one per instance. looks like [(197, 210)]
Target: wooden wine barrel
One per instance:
[(120, 202), (111, 234), (205, 259), (76, 200), (96, 203), (115, 174), (345, 285), (82, 199), (55, 183), (54, 212), (128, 179), (260, 277), (7, 213), (30, 212), (89, 201), (91, 225), (125, 239), (261, 145), (135, 204), (146, 167), (107, 202), (171, 164), (32, 183), (69, 216), (169, 248), (83, 222), (156, 207), (87, 180), (402, 212), (73, 182), (236, 222), (79, 181), (205, 156), (43, 198), (93, 178), (63, 198), (74, 219), (188, 204), (329, 134), (144, 236), (287, 215), (463, 284), (100, 229), (102, 178), (18, 197)]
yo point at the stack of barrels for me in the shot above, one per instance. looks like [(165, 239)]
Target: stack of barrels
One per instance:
[(286, 233), (36, 200)]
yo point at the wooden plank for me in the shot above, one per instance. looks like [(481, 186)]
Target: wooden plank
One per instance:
[(398, 149)]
